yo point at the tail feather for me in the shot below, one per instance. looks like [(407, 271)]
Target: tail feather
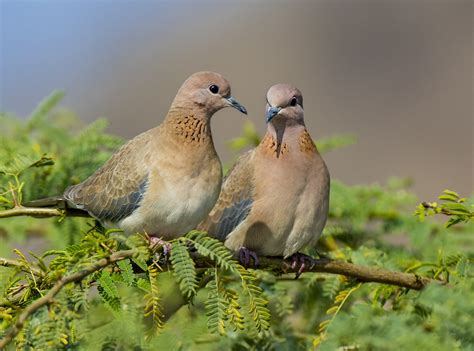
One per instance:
[(58, 202), (54, 201)]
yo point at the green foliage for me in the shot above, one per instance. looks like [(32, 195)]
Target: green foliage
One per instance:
[(51, 131), (222, 306), (339, 301), (109, 291), (256, 300), (153, 306), (212, 248), (430, 320), (335, 142), (184, 268), (452, 205), (126, 270), (251, 297), (249, 138), (136, 303)]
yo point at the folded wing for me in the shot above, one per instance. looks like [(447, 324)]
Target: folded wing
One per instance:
[(115, 190), (235, 200)]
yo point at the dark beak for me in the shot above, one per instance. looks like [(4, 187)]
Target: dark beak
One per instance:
[(272, 112), (235, 104)]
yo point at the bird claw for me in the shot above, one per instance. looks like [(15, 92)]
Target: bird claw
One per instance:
[(245, 255), (303, 261)]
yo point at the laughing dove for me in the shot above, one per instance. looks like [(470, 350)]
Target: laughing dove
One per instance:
[(167, 179), (275, 199)]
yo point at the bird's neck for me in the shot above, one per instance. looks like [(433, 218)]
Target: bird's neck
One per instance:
[(282, 140), (190, 125)]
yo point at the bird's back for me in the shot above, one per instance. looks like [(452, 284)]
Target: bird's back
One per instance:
[(115, 190)]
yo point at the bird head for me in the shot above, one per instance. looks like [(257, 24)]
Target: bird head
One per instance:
[(284, 104), (209, 91)]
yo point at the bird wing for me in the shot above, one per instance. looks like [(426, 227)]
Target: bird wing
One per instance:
[(115, 190), (235, 200)]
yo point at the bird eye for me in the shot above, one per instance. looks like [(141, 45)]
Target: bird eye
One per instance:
[(213, 88), (293, 101)]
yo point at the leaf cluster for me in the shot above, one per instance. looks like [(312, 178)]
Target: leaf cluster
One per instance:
[(452, 205)]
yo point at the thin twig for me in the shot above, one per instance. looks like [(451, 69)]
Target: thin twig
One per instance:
[(49, 297), (444, 210), (6, 262)]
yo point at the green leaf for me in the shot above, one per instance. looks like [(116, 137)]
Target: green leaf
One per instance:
[(107, 283), (452, 221), (140, 263), (335, 142), (451, 193), (127, 271), (456, 208), (5, 200), (448, 198), (212, 248), (42, 162), (257, 303), (249, 138), (143, 284), (183, 268), (216, 306), (44, 107), (109, 292), (153, 306), (222, 306)]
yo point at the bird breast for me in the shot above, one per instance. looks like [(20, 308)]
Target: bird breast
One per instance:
[(181, 192), (291, 199)]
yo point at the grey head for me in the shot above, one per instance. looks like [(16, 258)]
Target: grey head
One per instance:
[(284, 103), (208, 91)]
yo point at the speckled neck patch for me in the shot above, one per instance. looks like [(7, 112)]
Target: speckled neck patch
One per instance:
[(194, 130)]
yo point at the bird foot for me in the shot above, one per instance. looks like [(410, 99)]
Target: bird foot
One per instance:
[(156, 243), (245, 255), (303, 261)]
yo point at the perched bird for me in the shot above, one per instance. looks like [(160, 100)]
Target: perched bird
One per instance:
[(166, 180), (275, 199)]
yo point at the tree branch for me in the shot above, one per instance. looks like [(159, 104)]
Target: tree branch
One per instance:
[(49, 297), (326, 265), (42, 212)]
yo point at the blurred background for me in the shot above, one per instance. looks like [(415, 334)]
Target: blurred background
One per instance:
[(397, 74)]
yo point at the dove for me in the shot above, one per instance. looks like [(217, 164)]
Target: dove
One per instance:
[(164, 181), (275, 199)]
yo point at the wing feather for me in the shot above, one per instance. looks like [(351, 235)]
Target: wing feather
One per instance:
[(235, 200), (115, 190)]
